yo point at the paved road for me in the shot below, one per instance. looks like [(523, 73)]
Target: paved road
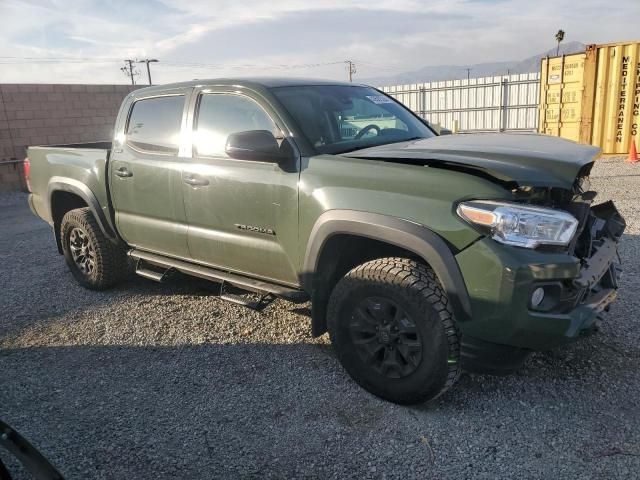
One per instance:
[(155, 381)]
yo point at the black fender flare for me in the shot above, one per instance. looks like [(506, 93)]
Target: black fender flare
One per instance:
[(402, 233), (25, 453), (70, 185)]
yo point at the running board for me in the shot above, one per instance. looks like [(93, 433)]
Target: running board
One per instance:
[(247, 299), (208, 273), (150, 274), (238, 300)]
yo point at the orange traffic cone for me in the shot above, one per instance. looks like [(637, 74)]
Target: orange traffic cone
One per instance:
[(633, 153)]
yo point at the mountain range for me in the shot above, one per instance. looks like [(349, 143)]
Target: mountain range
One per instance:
[(453, 72)]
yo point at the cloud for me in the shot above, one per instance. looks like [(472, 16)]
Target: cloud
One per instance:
[(253, 37)]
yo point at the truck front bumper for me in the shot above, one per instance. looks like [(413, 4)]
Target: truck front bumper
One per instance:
[(501, 279)]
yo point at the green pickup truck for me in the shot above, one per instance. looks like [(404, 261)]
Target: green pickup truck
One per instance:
[(421, 254)]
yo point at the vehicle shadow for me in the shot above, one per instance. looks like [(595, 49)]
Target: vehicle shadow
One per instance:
[(228, 405), (64, 297), (229, 411), (179, 411)]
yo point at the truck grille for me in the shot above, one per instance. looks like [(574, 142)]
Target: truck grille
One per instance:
[(596, 245)]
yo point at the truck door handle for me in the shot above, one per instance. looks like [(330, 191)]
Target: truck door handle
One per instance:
[(195, 181), (123, 172)]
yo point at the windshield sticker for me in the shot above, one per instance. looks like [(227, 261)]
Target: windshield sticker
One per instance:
[(378, 99)]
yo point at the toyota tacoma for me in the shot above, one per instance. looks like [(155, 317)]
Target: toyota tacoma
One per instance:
[(421, 254)]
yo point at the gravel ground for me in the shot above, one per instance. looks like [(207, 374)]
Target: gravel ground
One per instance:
[(153, 381)]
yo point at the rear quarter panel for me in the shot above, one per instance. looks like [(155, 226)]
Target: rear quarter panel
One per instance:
[(51, 166)]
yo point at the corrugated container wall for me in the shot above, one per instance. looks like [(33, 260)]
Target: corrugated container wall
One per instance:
[(617, 98), (593, 97)]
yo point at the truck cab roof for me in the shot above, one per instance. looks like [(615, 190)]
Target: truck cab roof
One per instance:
[(247, 82)]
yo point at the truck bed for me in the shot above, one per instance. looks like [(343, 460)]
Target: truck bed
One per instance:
[(100, 145), (78, 168)]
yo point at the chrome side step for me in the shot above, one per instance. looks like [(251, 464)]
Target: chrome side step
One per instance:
[(260, 287), (252, 300), (150, 274)]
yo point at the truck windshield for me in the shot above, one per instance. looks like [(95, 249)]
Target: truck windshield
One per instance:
[(339, 119)]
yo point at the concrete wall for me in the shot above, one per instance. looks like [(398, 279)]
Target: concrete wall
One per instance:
[(41, 114), (11, 178)]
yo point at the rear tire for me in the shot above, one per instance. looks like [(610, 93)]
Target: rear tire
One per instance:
[(393, 330), (95, 262)]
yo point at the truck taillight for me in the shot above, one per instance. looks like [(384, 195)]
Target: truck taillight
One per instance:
[(26, 172)]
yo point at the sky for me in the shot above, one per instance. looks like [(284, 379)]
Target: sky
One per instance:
[(86, 41)]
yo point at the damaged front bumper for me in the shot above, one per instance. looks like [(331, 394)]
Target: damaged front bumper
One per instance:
[(578, 288)]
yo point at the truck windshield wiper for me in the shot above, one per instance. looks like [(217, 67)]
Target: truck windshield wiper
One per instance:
[(361, 147)]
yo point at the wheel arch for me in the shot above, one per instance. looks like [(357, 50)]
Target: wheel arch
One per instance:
[(67, 194), (403, 235)]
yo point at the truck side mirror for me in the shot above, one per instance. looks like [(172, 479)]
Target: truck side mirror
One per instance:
[(257, 145)]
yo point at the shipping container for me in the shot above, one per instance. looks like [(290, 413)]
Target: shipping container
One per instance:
[(593, 97)]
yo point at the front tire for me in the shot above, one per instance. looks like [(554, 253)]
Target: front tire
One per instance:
[(95, 262), (393, 330)]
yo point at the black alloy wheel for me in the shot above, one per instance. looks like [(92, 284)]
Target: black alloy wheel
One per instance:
[(83, 251), (386, 337), (393, 330), (95, 261)]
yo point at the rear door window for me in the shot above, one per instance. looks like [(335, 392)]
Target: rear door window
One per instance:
[(155, 124)]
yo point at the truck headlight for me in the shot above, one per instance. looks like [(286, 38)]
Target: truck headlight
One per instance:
[(520, 225)]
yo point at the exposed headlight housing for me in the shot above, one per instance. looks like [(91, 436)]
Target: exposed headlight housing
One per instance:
[(520, 225)]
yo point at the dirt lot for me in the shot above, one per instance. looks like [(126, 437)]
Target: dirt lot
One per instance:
[(153, 381)]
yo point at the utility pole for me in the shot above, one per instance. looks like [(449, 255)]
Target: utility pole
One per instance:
[(129, 71), (559, 38), (148, 61), (468, 73), (351, 69)]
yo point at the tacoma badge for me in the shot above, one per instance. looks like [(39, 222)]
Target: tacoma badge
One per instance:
[(267, 231)]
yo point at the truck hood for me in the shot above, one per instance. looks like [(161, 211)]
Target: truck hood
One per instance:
[(527, 159)]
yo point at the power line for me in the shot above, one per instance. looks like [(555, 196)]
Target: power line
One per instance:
[(28, 60), (62, 58), (130, 71), (248, 65), (14, 60), (379, 66)]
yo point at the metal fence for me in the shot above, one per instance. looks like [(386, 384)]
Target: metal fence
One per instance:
[(501, 103)]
